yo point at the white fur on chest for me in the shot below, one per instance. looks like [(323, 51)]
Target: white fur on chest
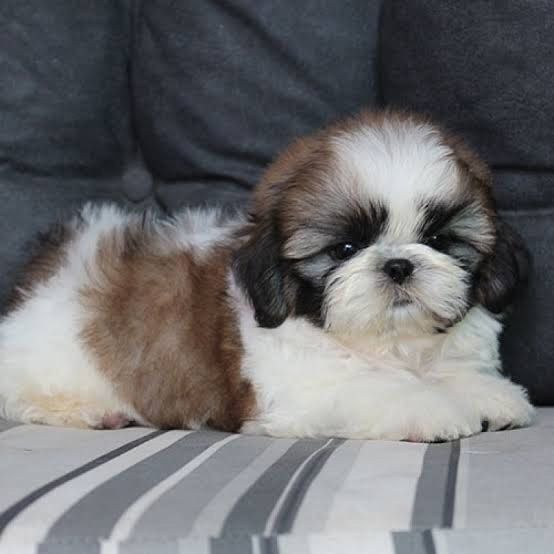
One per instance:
[(310, 384)]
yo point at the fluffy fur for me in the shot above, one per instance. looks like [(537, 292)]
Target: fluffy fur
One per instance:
[(362, 298)]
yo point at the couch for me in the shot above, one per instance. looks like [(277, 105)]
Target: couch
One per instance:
[(161, 104)]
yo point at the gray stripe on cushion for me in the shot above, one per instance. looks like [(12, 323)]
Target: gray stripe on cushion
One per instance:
[(96, 513), (159, 546), (251, 512), (244, 545), (211, 519), (318, 503), (19, 506), (284, 519), (70, 547), (414, 542), (268, 545), (81, 546), (171, 515), (241, 544), (436, 487)]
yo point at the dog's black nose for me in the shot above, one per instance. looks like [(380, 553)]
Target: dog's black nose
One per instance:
[(398, 269)]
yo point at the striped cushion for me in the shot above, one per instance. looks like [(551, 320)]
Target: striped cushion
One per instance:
[(139, 491)]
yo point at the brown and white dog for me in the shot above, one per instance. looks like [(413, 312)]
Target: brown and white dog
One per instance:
[(360, 299)]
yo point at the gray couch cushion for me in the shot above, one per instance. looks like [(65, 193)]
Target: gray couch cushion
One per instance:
[(220, 87), (484, 67), (528, 342), (65, 117), (485, 70), (139, 491), (64, 97)]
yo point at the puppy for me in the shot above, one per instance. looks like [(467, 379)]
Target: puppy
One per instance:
[(362, 298)]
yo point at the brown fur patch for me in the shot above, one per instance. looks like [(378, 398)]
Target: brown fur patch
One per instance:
[(162, 331), (474, 171)]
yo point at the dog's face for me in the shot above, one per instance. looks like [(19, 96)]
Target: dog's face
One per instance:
[(379, 224)]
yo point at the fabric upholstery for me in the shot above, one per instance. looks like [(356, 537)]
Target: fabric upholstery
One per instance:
[(65, 115), (221, 86), (482, 67), (141, 491), (64, 97)]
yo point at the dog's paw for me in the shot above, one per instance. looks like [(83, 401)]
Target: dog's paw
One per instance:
[(499, 403), (427, 417), (506, 407)]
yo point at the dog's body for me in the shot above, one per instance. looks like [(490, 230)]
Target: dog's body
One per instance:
[(342, 308)]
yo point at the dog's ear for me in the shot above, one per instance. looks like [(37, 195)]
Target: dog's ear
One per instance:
[(506, 268), (504, 271), (258, 265), (261, 273)]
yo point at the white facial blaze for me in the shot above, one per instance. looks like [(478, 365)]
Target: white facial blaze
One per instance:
[(360, 297), (397, 165)]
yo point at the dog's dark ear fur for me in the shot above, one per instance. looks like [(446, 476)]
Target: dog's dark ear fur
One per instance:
[(258, 265), (504, 271), (260, 272)]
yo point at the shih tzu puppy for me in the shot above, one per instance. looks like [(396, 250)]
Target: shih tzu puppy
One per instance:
[(361, 298)]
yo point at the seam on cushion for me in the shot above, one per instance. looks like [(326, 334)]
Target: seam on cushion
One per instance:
[(526, 212), (137, 14), (135, 22), (127, 6), (195, 537), (534, 169)]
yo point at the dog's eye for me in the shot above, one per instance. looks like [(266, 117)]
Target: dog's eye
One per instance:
[(438, 242), (344, 251)]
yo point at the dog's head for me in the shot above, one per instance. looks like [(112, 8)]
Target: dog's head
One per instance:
[(378, 224)]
